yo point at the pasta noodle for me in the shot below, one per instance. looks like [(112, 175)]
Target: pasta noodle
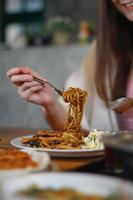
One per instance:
[(76, 99), (72, 136)]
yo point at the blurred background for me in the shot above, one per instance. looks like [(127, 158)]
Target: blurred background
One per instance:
[(50, 36)]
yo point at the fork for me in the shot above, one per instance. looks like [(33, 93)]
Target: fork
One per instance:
[(46, 82)]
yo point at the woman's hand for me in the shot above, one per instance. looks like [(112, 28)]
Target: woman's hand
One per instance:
[(43, 95), (29, 89)]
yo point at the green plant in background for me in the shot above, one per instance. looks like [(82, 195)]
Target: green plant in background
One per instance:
[(61, 29), (60, 24)]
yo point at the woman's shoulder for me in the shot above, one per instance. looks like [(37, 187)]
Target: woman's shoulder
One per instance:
[(90, 57), (81, 76), (88, 65)]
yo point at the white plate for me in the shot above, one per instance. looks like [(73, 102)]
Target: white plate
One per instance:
[(60, 152), (86, 183), (42, 159)]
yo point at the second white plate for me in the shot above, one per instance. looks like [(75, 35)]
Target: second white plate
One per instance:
[(41, 158)]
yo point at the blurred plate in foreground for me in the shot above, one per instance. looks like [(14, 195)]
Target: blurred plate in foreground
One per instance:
[(88, 184)]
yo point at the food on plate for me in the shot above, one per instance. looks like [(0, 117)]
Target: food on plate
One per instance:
[(59, 140), (67, 193), (73, 137), (15, 159), (58, 194), (53, 140)]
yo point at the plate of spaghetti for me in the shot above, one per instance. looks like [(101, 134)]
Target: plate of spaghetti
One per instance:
[(73, 140)]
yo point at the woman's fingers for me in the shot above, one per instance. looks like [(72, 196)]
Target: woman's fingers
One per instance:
[(21, 78), (19, 70), (18, 75), (27, 85), (29, 89), (27, 94)]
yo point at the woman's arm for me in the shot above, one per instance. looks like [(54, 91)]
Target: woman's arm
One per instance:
[(55, 115)]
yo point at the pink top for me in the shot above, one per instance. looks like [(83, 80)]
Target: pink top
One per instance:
[(127, 117)]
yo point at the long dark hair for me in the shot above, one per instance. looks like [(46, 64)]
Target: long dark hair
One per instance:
[(114, 51)]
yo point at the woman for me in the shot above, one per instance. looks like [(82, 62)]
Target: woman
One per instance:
[(106, 73)]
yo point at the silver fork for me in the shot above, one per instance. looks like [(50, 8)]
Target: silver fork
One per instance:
[(46, 82)]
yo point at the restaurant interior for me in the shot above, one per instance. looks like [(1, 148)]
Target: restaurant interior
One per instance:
[(53, 39)]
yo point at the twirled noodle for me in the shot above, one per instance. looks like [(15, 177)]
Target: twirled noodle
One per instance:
[(72, 136), (76, 99)]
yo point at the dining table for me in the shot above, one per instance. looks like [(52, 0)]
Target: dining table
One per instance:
[(57, 163)]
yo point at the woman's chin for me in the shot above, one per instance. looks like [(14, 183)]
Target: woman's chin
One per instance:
[(130, 17)]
